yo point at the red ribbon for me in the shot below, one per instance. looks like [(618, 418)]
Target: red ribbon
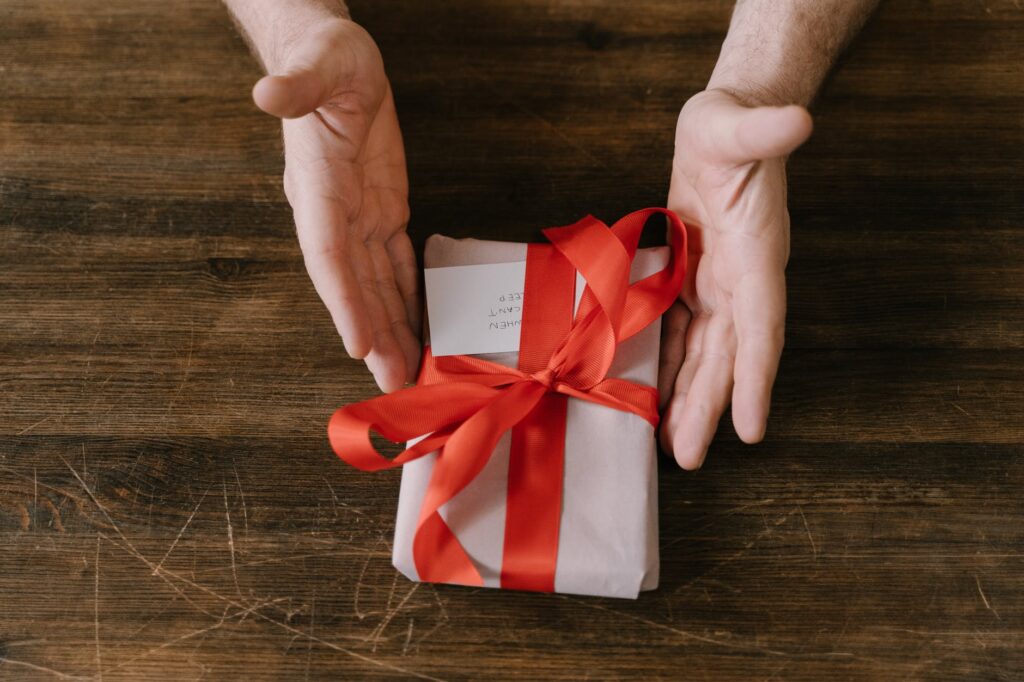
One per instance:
[(465, 403)]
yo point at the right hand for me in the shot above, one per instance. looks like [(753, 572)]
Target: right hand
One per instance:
[(724, 342), (345, 179)]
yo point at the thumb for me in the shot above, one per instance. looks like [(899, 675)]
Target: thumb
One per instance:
[(324, 60), (290, 95), (742, 134)]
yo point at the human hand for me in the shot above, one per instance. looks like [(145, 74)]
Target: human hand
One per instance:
[(345, 179), (726, 334)]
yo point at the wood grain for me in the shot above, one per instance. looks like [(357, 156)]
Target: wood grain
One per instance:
[(169, 508)]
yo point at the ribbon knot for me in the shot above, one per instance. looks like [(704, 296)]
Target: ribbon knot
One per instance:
[(547, 378), (462, 405)]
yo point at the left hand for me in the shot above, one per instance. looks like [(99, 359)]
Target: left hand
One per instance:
[(345, 179), (725, 336)]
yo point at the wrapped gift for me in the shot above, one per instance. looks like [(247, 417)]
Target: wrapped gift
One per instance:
[(535, 469)]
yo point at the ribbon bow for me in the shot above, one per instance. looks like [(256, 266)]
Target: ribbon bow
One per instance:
[(464, 404)]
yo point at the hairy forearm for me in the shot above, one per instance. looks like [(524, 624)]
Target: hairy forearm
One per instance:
[(779, 51), (271, 26)]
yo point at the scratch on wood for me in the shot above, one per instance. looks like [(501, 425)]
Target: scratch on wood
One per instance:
[(187, 370), (408, 638), (358, 591), (43, 669), (360, 584), (96, 613), (180, 592), (312, 629), (128, 545), (26, 642), (95, 500), (814, 547), (984, 599), (241, 494), (168, 575), (32, 426), (391, 594), (286, 559), (231, 539), (441, 621), (727, 512), (516, 104), (709, 640), (347, 506), (376, 636), (670, 628), (149, 621), (59, 491), (221, 622), (746, 548), (440, 604), (181, 532), (424, 636)]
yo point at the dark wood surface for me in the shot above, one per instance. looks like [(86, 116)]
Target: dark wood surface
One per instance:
[(170, 509)]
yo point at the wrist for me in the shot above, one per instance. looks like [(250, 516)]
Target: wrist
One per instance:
[(754, 93), (762, 67), (274, 27), (754, 82), (760, 71), (778, 52)]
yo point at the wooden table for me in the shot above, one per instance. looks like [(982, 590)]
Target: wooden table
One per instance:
[(170, 509)]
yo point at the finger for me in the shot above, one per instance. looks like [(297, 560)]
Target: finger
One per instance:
[(759, 307), (672, 420), (407, 277), (321, 227), (673, 349), (740, 134), (385, 360), (395, 309), (708, 393)]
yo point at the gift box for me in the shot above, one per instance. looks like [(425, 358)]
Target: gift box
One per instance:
[(537, 469)]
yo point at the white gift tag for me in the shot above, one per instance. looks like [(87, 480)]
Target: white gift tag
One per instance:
[(476, 309)]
